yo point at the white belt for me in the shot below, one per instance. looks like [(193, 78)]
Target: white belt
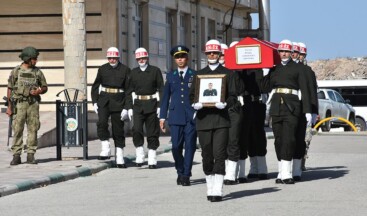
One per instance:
[(111, 90), (283, 91), (145, 97), (286, 91)]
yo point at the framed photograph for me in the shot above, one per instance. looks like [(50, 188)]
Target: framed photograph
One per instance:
[(248, 54), (210, 89)]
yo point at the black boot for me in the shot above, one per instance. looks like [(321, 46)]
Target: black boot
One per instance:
[(31, 159), (16, 160)]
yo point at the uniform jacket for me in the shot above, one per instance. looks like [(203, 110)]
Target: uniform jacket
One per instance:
[(210, 92), (252, 80), (110, 77), (175, 105), (212, 118), (291, 76), (146, 82), (21, 81), (312, 88)]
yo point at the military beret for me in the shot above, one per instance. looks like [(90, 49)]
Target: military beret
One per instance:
[(180, 49)]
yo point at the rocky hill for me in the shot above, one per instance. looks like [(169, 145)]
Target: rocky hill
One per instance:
[(340, 68)]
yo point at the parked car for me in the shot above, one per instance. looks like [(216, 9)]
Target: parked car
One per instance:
[(332, 104)]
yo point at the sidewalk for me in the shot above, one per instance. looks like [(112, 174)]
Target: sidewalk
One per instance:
[(48, 171), (23, 177)]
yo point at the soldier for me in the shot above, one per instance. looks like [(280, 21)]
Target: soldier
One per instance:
[(176, 103), (210, 91), (253, 132), (25, 85), (235, 115), (212, 124), (109, 99), (145, 92), (286, 80), (301, 153)]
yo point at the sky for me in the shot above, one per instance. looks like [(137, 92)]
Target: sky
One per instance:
[(329, 28)]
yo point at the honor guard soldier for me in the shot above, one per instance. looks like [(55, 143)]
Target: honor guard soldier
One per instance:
[(235, 116), (145, 92), (253, 132), (176, 108), (25, 85), (299, 52), (286, 81), (212, 123), (109, 99)]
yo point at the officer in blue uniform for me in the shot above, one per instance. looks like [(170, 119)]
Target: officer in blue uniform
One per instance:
[(177, 109)]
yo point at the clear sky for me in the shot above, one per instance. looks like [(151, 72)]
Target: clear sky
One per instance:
[(329, 28)]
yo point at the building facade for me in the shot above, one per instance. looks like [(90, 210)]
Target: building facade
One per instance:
[(156, 25)]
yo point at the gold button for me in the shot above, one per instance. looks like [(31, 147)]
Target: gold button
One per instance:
[(182, 95), (182, 83), (182, 89), (182, 102)]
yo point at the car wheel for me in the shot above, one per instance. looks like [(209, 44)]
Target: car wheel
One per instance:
[(351, 120), (360, 124), (327, 125)]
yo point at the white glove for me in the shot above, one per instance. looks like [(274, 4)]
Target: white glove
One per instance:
[(220, 105), (130, 114), (309, 119), (197, 106), (266, 71), (95, 107), (158, 112), (124, 115)]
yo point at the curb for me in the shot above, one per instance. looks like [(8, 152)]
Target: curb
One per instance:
[(66, 176), (53, 179)]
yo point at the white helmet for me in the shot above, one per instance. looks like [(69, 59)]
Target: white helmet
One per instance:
[(285, 45), (213, 46), (113, 52), (295, 47), (302, 48), (223, 47), (233, 43), (141, 53)]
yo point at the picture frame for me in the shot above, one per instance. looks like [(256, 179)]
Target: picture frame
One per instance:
[(210, 89)]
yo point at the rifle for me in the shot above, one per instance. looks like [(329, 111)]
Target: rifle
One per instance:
[(10, 130)]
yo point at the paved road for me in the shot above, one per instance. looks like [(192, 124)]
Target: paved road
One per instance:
[(333, 185)]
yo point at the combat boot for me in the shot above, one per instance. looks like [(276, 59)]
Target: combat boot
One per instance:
[(16, 160), (31, 159)]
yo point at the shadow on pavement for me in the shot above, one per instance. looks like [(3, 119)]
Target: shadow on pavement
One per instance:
[(198, 181), (246, 193), (324, 173)]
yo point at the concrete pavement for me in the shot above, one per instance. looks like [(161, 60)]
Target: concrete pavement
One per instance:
[(48, 171)]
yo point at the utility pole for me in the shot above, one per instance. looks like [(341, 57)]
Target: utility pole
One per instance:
[(75, 46)]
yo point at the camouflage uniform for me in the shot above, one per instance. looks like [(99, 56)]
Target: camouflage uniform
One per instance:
[(21, 81)]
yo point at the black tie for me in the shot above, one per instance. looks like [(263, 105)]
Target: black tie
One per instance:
[(181, 75)]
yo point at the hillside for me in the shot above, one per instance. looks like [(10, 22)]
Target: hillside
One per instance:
[(340, 68)]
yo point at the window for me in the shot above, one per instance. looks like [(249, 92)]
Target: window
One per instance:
[(321, 95), (331, 95), (339, 98)]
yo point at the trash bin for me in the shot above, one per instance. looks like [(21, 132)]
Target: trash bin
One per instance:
[(71, 124)]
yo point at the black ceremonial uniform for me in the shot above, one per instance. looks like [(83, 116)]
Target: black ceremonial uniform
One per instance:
[(111, 100), (286, 107), (235, 115), (212, 125), (145, 84), (312, 91), (254, 110)]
